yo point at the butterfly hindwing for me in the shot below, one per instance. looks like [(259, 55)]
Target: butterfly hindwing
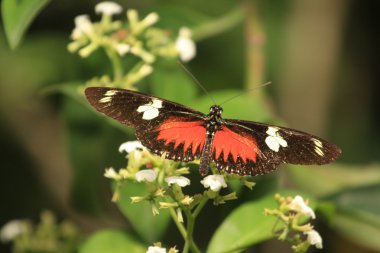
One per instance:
[(161, 125)]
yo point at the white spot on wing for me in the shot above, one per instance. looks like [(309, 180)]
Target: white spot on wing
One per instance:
[(108, 96), (274, 140), (150, 110), (318, 147)]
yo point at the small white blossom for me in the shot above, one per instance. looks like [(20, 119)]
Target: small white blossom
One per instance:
[(179, 180), (146, 175), (150, 19), (314, 238), (122, 48), (185, 45), (11, 230), (111, 173), (214, 182), (156, 249), (130, 146), (145, 70), (298, 204), (108, 8), (83, 25)]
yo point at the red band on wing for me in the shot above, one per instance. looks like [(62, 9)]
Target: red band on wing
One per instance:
[(188, 133), (229, 142)]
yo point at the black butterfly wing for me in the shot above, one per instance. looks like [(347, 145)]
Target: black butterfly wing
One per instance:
[(161, 125), (267, 146)]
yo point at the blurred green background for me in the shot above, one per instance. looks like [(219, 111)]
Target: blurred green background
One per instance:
[(319, 55)]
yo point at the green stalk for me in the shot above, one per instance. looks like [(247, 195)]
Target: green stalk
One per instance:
[(179, 225), (116, 65), (255, 45), (189, 243)]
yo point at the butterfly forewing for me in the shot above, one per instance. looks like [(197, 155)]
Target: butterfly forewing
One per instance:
[(161, 125), (276, 145)]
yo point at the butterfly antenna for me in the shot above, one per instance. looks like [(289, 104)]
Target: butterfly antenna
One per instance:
[(244, 92), (196, 81)]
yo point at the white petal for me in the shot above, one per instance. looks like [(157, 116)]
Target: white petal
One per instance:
[(122, 48), (150, 19), (130, 146), (108, 8), (111, 173), (83, 25), (146, 175), (145, 70), (214, 182), (156, 249), (185, 45), (298, 204), (314, 238), (179, 180), (11, 230)]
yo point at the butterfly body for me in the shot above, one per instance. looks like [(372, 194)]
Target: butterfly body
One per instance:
[(183, 134)]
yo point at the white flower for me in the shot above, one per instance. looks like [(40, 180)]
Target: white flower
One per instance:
[(108, 8), (11, 230), (179, 180), (146, 175), (83, 26), (122, 48), (185, 45), (130, 146), (274, 140), (314, 238), (214, 182), (156, 249), (299, 205), (145, 70), (150, 19), (111, 173)]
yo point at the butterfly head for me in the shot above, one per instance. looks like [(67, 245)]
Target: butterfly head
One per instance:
[(215, 111)]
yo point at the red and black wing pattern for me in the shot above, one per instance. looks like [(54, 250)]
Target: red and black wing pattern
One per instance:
[(255, 148), (161, 125)]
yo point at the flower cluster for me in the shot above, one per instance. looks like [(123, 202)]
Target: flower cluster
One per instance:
[(157, 248), (47, 236), (137, 37), (292, 212), (165, 181)]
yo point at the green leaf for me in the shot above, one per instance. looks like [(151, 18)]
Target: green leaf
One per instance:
[(111, 241), (172, 83), (356, 230), (235, 108), (357, 216), (245, 226), (150, 228), (17, 16), (333, 178)]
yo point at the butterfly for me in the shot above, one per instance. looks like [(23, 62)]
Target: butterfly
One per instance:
[(183, 134)]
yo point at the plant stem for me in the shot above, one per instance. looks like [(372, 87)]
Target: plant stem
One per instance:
[(190, 244), (116, 65), (255, 43), (219, 25), (179, 225)]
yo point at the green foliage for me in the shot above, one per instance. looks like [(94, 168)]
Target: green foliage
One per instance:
[(149, 227), (112, 241), (17, 17)]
